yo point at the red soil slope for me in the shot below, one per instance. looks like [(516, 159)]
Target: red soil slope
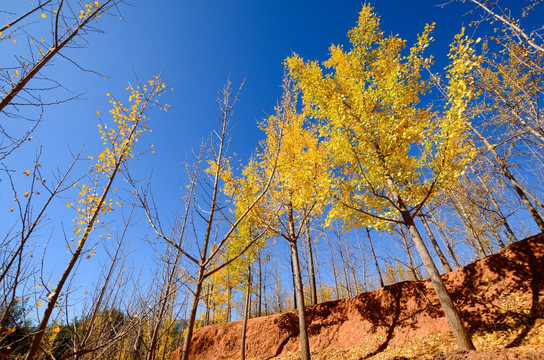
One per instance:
[(396, 313)]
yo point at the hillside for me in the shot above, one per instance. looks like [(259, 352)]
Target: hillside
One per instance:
[(499, 298)]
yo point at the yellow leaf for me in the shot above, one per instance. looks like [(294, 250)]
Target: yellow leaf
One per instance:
[(39, 303), (43, 15), (16, 72), (96, 112), (26, 172), (11, 210), (26, 193), (14, 41), (56, 330), (10, 331)]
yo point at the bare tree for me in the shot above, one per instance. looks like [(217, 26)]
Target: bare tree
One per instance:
[(93, 200), (24, 83), (209, 244)]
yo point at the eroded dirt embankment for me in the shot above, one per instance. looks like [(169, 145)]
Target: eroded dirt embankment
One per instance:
[(483, 292)]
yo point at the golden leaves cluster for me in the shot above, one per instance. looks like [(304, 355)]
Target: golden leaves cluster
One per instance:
[(297, 160), (382, 137), (118, 140)]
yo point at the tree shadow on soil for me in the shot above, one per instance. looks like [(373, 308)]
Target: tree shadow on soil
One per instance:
[(389, 309), (514, 271), (536, 269)]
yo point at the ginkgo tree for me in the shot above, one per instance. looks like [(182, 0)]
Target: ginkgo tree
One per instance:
[(242, 190), (300, 186), (391, 151), (94, 196)]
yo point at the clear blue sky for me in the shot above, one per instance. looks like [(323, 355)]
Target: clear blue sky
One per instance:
[(197, 44)]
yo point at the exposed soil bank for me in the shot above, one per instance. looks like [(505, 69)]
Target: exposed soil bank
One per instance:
[(488, 294)]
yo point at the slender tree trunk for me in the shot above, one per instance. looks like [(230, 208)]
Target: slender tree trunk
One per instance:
[(260, 293), (303, 329), (294, 285), (333, 265), (508, 174), (229, 303), (164, 308), (382, 284), (279, 292), (492, 228), (246, 314), (207, 316), (462, 338), (192, 315), (439, 252), (352, 268), (363, 261), (449, 245), (413, 268), (344, 268), (511, 236), (313, 287), (467, 222)]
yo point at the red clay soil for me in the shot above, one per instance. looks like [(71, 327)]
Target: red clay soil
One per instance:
[(397, 313)]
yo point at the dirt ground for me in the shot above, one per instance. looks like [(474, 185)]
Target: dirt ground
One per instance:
[(491, 295)]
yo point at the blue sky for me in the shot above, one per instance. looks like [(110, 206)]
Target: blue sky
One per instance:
[(196, 45)]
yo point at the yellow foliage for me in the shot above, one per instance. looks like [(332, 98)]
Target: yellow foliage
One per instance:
[(383, 142), (129, 124)]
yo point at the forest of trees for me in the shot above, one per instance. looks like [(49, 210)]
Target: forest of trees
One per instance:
[(376, 167)]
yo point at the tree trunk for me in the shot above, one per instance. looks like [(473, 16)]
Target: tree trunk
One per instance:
[(208, 306), (492, 228), (462, 338), (511, 236), (229, 305), (313, 288), (416, 275), (363, 261), (246, 314), (352, 267), (192, 316), (439, 252), (333, 265), (382, 284), (467, 222), (294, 285), (448, 242), (303, 329), (260, 293), (508, 174), (344, 268)]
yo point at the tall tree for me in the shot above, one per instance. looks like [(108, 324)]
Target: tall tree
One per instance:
[(210, 246), (511, 79), (94, 200), (300, 185), (392, 154)]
